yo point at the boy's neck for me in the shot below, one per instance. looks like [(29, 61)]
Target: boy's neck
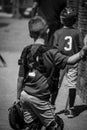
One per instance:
[(67, 27), (40, 41)]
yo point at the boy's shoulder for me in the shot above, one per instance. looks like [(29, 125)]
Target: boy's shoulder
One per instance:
[(66, 30), (29, 47), (35, 48), (59, 30), (74, 29)]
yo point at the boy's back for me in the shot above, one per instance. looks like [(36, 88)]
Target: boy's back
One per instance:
[(68, 40), (36, 66)]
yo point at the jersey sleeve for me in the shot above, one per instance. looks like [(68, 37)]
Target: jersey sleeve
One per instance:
[(57, 59), (69, 41), (22, 62), (60, 60)]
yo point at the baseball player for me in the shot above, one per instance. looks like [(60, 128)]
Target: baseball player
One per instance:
[(69, 41), (36, 62)]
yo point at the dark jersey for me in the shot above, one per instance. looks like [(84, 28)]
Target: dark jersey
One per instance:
[(68, 40), (37, 84), (51, 9)]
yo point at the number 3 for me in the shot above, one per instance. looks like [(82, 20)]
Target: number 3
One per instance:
[(69, 42)]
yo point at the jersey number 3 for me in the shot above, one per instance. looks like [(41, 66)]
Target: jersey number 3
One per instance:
[(68, 40)]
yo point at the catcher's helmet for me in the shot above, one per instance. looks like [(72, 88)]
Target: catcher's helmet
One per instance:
[(68, 16), (37, 26), (15, 115)]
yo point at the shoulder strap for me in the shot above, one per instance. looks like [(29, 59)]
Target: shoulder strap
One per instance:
[(39, 49), (31, 52), (25, 51)]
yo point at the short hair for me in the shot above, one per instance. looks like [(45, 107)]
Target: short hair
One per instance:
[(37, 25)]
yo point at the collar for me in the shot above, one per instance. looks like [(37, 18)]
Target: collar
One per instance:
[(40, 41)]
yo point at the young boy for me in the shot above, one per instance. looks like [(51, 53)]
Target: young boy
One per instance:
[(69, 41), (36, 63)]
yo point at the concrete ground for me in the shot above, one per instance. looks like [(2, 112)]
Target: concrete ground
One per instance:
[(13, 37)]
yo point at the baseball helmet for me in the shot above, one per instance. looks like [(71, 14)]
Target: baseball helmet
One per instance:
[(68, 16), (15, 116), (37, 25)]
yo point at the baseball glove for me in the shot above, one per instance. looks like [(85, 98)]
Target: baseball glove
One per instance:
[(15, 116)]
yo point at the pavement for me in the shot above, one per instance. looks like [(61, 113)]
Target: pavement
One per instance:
[(14, 37)]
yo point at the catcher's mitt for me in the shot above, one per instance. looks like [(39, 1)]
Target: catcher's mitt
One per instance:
[(15, 115)]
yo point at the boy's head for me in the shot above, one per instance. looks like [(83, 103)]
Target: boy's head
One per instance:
[(68, 17), (37, 27)]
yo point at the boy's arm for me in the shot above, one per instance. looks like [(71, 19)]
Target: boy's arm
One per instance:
[(74, 59), (78, 56), (20, 81), (60, 60), (85, 40), (21, 73)]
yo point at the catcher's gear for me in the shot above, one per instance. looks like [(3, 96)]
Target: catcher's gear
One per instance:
[(68, 16), (16, 119), (15, 115), (58, 124)]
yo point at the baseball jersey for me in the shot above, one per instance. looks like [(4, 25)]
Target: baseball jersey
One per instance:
[(68, 40), (37, 84)]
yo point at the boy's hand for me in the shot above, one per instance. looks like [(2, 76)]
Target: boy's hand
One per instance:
[(83, 51), (85, 40)]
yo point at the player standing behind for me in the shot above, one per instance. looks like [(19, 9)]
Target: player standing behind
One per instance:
[(69, 41)]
